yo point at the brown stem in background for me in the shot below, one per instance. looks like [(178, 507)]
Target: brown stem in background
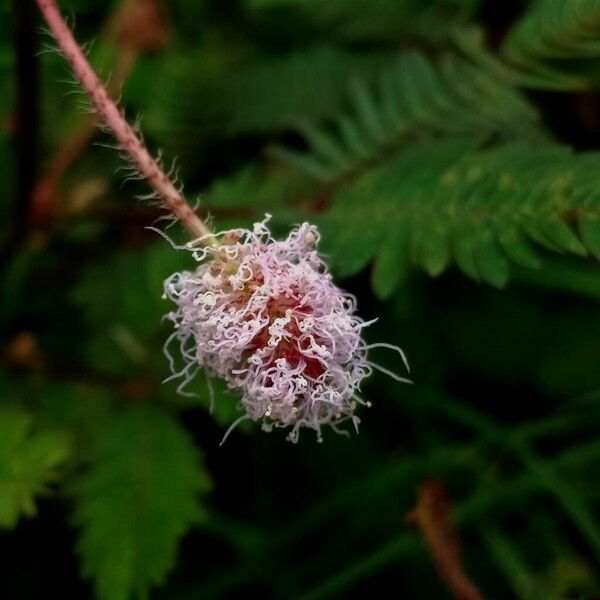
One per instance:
[(432, 517), (137, 27)]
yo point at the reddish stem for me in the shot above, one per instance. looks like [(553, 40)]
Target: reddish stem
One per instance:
[(112, 116), (432, 517)]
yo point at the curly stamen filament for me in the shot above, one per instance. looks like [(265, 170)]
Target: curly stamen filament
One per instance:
[(112, 116)]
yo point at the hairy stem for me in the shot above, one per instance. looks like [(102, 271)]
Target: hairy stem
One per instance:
[(135, 28), (112, 116)]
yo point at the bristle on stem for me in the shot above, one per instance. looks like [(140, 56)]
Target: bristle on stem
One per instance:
[(110, 114)]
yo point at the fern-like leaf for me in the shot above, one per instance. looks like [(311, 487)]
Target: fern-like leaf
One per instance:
[(192, 104), (440, 201), (413, 99), (138, 497), (551, 31), (29, 462)]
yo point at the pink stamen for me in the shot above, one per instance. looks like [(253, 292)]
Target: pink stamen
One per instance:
[(266, 316)]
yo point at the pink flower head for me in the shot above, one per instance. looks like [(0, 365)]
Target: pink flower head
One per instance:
[(265, 316)]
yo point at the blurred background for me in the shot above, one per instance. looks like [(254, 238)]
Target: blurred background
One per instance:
[(447, 151)]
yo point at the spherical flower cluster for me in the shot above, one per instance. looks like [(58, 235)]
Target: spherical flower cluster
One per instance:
[(265, 316)]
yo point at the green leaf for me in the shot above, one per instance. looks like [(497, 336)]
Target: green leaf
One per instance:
[(589, 229), (507, 556), (138, 497), (565, 275), (559, 234), (29, 463), (256, 189), (434, 251), (356, 241), (518, 249), (550, 32), (198, 96), (450, 200), (412, 98), (490, 262), (391, 264), (463, 250)]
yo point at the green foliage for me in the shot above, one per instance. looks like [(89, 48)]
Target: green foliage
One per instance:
[(551, 30), (280, 192), (138, 497), (30, 459), (122, 305), (437, 201), (237, 97), (380, 20), (478, 208), (550, 475), (403, 129), (414, 99), (563, 578)]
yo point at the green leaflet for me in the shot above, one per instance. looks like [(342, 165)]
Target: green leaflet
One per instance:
[(391, 263), (549, 33), (139, 495), (589, 230), (260, 189), (510, 562), (30, 458), (448, 201), (411, 99), (241, 97)]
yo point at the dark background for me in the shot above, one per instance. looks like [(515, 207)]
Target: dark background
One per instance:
[(502, 417)]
